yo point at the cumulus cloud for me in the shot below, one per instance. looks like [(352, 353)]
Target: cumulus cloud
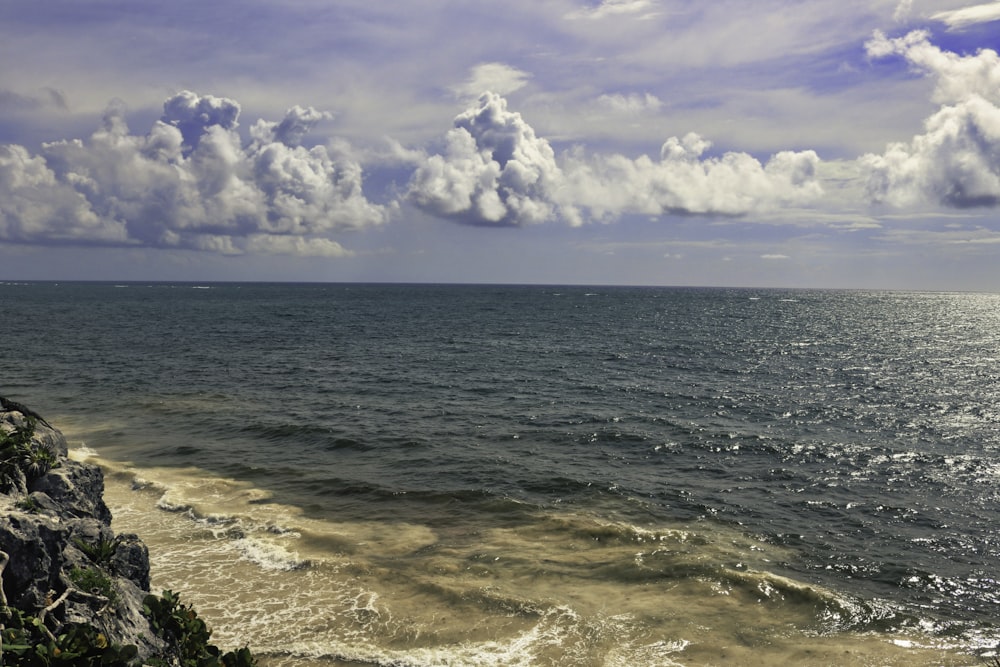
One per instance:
[(192, 114), (683, 181), (495, 170), (190, 182), (296, 124), (34, 204), (956, 161), (958, 77)]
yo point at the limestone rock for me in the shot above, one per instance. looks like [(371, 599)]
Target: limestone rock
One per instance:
[(56, 526), (78, 488)]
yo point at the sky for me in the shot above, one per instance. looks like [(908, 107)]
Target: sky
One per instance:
[(756, 143)]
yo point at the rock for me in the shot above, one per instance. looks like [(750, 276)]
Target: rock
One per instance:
[(35, 546), (56, 527), (131, 560), (78, 488)]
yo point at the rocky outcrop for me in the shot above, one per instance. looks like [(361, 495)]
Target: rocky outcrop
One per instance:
[(65, 564)]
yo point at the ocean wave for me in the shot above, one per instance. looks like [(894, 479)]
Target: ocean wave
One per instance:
[(270, 556)]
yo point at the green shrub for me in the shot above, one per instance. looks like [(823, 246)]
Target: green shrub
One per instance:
[(100, 552), (180, 627), (22, 459), (26, 643), (94, 581)]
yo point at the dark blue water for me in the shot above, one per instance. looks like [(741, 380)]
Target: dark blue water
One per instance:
[(846, 441)]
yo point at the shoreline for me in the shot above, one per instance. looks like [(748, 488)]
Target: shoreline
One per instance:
[(180, 532)]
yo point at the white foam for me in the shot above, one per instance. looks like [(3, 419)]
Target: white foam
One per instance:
[(168, 506), (269, 556), (82, 452), (559, 629)]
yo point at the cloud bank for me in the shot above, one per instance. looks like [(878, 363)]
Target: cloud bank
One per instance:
[(495, 170), (193, 181), (956, 161), (190, 182)]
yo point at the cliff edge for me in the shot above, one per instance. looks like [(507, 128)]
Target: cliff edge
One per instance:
[(68, 581)]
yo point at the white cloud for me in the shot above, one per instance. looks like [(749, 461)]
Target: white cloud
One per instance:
[(903, 10), (633, 103), (615, 8), (963, 238), (35, 205), (496, 170), (958, 77), (192, 114), (682, 181), (296, 124), (270, 244), (492, 77), (956, 161), (189, 182), (959, 19)]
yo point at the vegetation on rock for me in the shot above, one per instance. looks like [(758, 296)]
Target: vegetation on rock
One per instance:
[(188, 636), (101, 551), (22, 459), (28, 642), (35, 637), (96, 582)]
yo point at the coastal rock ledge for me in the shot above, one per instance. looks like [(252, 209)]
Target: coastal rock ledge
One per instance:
[(63, 567)]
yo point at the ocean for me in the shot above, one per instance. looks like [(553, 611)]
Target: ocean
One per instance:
[(417, 475)]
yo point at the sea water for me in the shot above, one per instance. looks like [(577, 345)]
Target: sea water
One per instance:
[(493, 475)]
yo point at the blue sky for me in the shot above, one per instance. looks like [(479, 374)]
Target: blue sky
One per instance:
[(815, 143)]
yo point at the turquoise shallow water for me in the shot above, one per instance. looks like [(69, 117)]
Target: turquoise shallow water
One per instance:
[(541, 475)]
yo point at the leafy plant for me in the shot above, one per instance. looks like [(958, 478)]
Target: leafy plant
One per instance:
[(188, 636), (13, 446), (94, 581), (37, 460), (28, 504), (27, 643), (21, 459), (100, 552)]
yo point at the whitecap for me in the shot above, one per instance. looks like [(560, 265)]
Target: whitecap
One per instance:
[(269, 556)]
